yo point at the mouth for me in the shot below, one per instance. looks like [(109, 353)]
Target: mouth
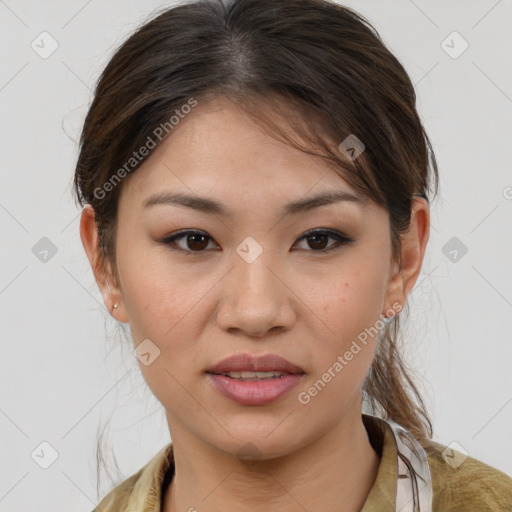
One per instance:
[(253, 380), (247, 366), (255, 376)]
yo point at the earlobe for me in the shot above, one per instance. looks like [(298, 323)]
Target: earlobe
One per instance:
[(414, 243), (102, 270)]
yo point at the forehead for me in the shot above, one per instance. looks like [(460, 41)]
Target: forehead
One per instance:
[(218, 147)]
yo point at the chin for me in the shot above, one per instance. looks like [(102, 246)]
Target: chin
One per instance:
[(260, 443)]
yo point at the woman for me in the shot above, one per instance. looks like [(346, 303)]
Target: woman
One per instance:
[(255, 179)]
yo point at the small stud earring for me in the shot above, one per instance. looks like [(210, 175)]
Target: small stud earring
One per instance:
[(115, 306)]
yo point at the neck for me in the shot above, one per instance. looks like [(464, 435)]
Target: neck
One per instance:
[(334, 472)]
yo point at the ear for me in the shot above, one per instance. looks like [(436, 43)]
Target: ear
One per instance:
[(414, 243), (105, 278)]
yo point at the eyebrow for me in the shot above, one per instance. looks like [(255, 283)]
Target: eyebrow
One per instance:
[(211, 206)]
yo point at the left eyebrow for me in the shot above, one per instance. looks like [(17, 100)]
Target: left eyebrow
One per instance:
[(211, 206), (323, 199)]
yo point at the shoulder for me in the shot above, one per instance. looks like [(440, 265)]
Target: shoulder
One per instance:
[(142, 490), (461, 483), (117, 498)]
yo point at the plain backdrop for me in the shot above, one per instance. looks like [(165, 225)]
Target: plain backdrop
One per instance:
[(64, 371)]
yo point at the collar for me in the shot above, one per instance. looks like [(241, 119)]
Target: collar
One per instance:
[(147, 492)]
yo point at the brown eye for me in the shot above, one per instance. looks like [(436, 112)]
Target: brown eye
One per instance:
[(194, 241), (318, 240)]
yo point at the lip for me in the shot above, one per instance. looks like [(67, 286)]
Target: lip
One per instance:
[(255, 392), (249, 363)]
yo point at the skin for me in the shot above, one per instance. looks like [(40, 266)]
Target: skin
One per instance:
[(293, 300)]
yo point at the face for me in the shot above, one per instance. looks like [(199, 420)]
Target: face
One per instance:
[(251, 280)]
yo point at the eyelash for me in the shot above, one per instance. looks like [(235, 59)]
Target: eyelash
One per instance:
[(339, 237)]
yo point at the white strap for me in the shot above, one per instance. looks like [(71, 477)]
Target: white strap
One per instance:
[(414, 484)]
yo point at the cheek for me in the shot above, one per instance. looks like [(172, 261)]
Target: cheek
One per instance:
[(165, 312), (156, 297), (352, 300), (165, 307), (349, 307)]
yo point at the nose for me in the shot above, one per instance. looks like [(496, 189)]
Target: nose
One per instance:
[(256, 298)]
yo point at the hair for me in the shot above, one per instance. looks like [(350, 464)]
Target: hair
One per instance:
[(320, 67)]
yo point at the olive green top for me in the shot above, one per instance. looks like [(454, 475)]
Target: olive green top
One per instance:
[(459, 483)]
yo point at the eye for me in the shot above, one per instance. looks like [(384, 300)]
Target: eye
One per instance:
[(197, 241), (317, 239), (194, 241)]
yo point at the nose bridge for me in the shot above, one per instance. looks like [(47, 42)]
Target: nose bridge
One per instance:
[(255, 300)]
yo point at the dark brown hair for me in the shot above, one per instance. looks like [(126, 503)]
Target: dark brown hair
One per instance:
[(318, 64)]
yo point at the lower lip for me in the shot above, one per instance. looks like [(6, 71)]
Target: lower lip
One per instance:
[(255, 392)]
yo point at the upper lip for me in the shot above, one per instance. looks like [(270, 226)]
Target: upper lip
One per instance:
[(247, 362)]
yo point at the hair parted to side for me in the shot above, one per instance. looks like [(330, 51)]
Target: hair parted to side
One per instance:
[(323, 69)]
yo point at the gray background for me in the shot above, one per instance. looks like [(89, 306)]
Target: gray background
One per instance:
[(65, 370)]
